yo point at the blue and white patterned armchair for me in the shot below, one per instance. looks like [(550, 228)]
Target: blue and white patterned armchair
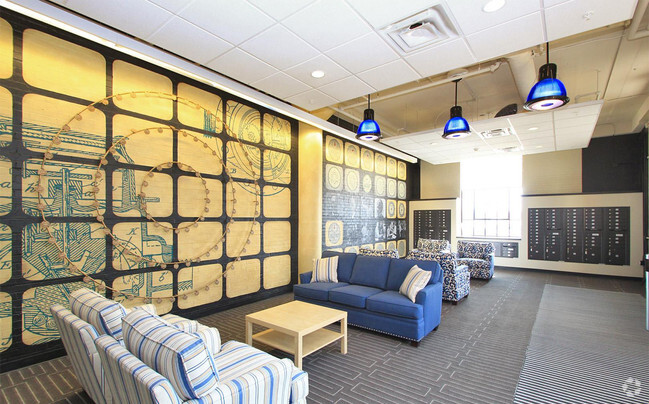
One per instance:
[(479, 257), (379, 253), (457, 278), (433, 246)]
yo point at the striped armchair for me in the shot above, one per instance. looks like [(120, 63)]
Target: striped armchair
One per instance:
[(457, 278), (240, 373)]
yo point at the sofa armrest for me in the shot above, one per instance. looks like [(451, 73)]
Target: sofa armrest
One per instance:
[(305, 277), (430, 298), (270, 383)]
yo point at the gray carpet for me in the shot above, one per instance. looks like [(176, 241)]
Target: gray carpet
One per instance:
[(476, 356), (587, 346)]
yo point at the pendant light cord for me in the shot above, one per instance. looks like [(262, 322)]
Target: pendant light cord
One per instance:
[(547, 53), (368, 101)]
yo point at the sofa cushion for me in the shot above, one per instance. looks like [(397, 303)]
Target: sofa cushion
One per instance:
[(345, 264), (352, 295), (317, 290), (104, 314), (325, 270), (395, 304), (416, 280), (180, 357), (399, 269), (370, 271)]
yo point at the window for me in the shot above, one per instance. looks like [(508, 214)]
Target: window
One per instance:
[(491, 197)]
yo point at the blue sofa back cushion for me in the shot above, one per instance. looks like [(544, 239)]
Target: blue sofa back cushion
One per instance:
[(370, 271), (345, 264), (399, 269)]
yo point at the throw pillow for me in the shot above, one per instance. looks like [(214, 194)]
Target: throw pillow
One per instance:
[(325, 270), (416, 280)]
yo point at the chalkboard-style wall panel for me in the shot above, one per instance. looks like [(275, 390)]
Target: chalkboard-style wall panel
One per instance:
[(433, 224), (590, 235), (614, 164)]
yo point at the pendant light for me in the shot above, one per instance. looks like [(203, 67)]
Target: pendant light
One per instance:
[(549, 92), (456, 127), (368, 129)]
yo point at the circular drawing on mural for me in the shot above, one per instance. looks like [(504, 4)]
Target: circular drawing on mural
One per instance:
[(392, 188), (334, 150), (351, 180), (334, 233), (391, 209), (367, 160), (402, 210), (392, 167), (379, 164), (379, 186), (367, 184), (333, 177), (401, 190), (351, 155)]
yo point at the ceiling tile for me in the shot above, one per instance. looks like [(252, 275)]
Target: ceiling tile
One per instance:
[(241, 66), (363, 53), (281, 85), (188, 40), (332, 71), (112, 13), (471, 18), (311, 100), (389, 75), (327, 24), (442, 58), (346, 89), (380, 13), (173, 6), (577, 16), (280, 9), (279, 47), (499, 40), (240, 22)]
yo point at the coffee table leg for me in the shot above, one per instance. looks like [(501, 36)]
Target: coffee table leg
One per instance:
[(248, 332), (298, 351), (343, 331)]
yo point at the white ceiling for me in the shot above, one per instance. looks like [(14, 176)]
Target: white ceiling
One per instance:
[(274, 45)]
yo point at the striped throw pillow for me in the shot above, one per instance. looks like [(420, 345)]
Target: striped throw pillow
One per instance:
[(180, 357), (325, 269), (104, 314), (416, 280)]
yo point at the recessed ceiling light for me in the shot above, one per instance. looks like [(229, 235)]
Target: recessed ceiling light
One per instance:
[(533, 128), (493, 5), (318, 74)]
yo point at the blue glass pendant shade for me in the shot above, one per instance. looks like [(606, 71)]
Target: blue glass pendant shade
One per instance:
[(368, 129), (456, 127), (549, 92)]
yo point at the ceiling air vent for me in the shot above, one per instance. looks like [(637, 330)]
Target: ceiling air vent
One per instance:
[(429, 27), (492, 133)]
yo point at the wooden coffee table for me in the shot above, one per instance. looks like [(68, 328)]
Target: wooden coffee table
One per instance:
[(298, 328)]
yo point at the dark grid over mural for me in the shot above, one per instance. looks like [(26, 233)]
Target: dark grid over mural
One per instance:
[(33, 277), (364, 201)]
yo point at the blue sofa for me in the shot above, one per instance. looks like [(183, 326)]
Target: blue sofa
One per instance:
[(368, 290)]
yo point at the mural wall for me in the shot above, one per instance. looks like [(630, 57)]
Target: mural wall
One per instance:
[(364, 198), (133, 181)]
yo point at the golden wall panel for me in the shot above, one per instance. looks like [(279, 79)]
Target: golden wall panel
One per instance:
[(6, 49), (367, 160), (198, 240), (83, 243), (352, 249), (244, 122), (277, 201), (277, 271), (146, 240), (130, 79), (401, 247), (246, 196), (369, 246), (190, 192), (6, 311), (43, 117), (244, 279), (392, 167), (201, 279), (63, 67), (277, 167), (401, 209), (402, 170), (352, 155), (204, 118), (127, 188), (236, 240), (391, 209), (37, 321), (391, 245), (6, 116), (152, 285), (379, 246), (6, 181), (147, 149), (379, 163), (5, 253), (239, 158), (334, 151), (198, 157), (277, 132), (277, 237)]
